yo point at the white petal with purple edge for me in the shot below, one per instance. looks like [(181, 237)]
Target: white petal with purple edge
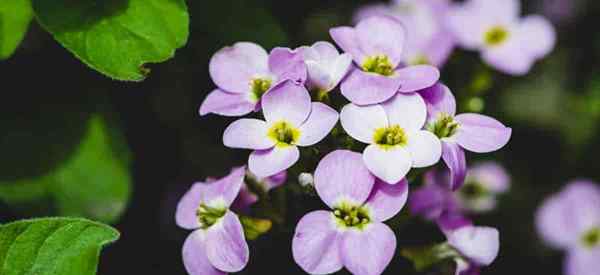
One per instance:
[(326, 50), (390, 165), (194, 256), (406, 110), (439, 100), (287, 64), (346, 38), (478, 243), (185, 216), (381, 35), (481, 134), (315, 246), (424, 147), (341, 175), (368, 251), (265, 163), (226, 104), (364, 88), (455, 159), (386, 200), (361, 122), (286, 102), (247, 133), (319, 123), (232, 68), (537, 35), (226, 247), (416, 78)]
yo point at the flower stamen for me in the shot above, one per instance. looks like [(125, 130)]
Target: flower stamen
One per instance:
[(379, 64), (284, 134), (496, 36), (390, 136), (258, 87), (207, 216)]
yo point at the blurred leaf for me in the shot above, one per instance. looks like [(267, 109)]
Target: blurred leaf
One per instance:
[(239, 20), (426, 256), (93, 182), (254, 228), (117, 37), (49, 246), (15, 16)]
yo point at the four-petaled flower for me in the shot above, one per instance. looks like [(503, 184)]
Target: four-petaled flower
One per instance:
[(506, 42), (353, 234), (291, 121), (376, 47), (394, 133), (570, 220), (477, 246), (217, 245), (244, 72), (326, 66), (473, 132)]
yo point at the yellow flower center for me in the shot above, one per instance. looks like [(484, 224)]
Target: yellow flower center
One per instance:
[(496, 36), (284, 134), (348, 215), (207, 215), (390, 137), (591, 238), (444, 126), (258, 87), (379, 64)]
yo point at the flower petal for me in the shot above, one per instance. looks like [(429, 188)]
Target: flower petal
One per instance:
[(582, 262), (288, 102), (481, 134), (451, 220), (226, 104), (455, 159), (491, 175), (390, 165), (247, 133), (339, 68), (185, 216), (381, 35), (315, 245), (232, 68), (406, 110), (386, 200), (194, 256), (439, 100), (510, 58), (342, 174), (478, 243), (265, 163), (424, 147), (224, 190), (363, 88), (537, 35), (287, 64), (417, 77), (429, 201), (319, 123), (346, 38), (361, 122), (244, 200), (368, 251), (226, 247)]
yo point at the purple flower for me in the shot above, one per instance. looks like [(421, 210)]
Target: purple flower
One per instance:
[(353, 234), (247, 197), (435, 198), (376, 45), (484, 182), (473, 132), (217, 245), (477, 246), (429, 40), (326, 66), (291, 121), (570, 220), (393, 131), (244, 72), (505, 41)]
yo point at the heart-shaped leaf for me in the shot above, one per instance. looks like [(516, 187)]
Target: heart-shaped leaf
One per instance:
[(51, 246), (117, 37)]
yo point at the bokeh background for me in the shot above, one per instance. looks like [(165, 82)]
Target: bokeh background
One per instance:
[(51, 102)]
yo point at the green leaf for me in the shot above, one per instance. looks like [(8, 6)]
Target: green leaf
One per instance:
[(117, 37), (254, 228), (426, 256), (50, 246), (15, 16), (93, 181)]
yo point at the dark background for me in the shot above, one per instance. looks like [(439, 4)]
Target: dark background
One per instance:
[(172, 146)]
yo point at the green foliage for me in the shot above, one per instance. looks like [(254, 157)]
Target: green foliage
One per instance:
[(50, 246), (425, 257), (117, 37), (93, 181), (15, 16)]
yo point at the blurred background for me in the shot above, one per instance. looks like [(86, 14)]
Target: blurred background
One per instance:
[(128, 151)]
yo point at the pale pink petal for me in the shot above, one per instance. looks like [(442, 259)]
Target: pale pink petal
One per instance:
[(194, 256), (226, 104), (286, 102), (247, 133), (226, 247), (381, 35), (318, 124), (478, 243), (481, 134), (265, 163), (361, 122), (386, 200), (439, 100), (424, 147), (406, 110), (537, 35), (415, 78), (364, 88), (232, 68), (368, 251)]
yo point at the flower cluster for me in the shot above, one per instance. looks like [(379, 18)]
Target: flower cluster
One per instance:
[(395, 119), (570, 221)]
